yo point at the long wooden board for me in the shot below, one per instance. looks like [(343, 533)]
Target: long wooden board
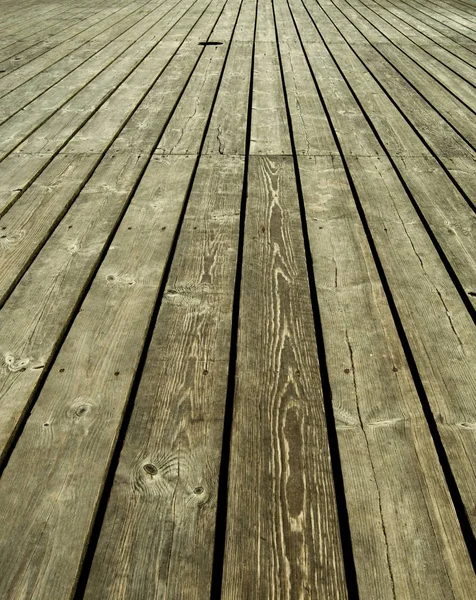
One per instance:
[(35, 337)]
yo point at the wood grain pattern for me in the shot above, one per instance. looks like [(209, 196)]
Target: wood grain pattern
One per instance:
[(73, 428), (282, 535), (127, 447), (405, 535), (163, 502)]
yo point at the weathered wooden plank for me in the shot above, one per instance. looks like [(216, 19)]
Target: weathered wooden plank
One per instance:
[(405, 535), (451, 219), (63, 126), (466, 15), (113, 64), (30, 21), (450, 19), (280, 471), (184, 38), (22, 51), (439, 329), (76, 246), (27, 83), (227, 130), (461, 117), (376, 406), (444, 56), (452, 83), (432, 35), (269, 134), (436, 24), (163, 500), (71, 433), (11, 44), (185, 131), (442, 141)]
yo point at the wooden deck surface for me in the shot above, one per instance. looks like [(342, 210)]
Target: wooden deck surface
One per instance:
[(237, 299)]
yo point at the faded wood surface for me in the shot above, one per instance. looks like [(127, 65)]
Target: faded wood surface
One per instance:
[(135, 272)]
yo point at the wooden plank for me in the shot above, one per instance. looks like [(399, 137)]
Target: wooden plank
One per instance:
[(26, 82), (439, 329), (75, 247), (406, 538), (442, 141), (444, 56), (114, 113), (165, 487), (461, 117), (62, 127), (269, 133), (280, 471), (27, 23), (466, 15), (436, 24), (376, 406), (22, 51), (453, 84), (279, 449), (451, 46), (451, 219), (448, 18), (121, 56), (72, 430), (185, 131), (227, 130)]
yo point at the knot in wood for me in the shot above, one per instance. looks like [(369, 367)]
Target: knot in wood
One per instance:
[(150, 469)]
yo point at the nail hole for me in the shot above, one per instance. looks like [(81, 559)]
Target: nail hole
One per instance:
[(198, 490)]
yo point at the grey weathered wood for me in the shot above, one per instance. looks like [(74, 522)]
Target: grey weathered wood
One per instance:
[(185, 131), (73, 119), (455, 112), (451, 20), (96, 84), (405, 535), (410, 50), (443, 141), (33, 45), (77, 20), (162, 510), (26, 84), (440, 331), (387, 453), (96, 104), (430, 33), (282, 532), (444, 56), (75, 247), (438, 24), (72, 430)]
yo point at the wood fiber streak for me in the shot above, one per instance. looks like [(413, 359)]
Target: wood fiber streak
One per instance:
[(282, 535), (163, 503)]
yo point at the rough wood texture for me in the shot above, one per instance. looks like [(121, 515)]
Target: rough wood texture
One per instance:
[(127, 448), (163, 503), (280, 471)]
